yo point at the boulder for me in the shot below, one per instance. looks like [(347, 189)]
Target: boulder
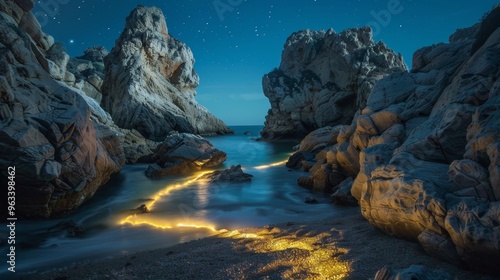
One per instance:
[(371, 158), (442, 138), (348, 159), (469, 178), (440, 246), (69, 228), (414, 272), (474, 226), (319, 139), (343, 196), (232, 175), (310, 200), (150, 81), (400, 201), (143, 209), (323, 79), (325, 178), (183, 154), (394, 134), (306, 182), (295, 161)]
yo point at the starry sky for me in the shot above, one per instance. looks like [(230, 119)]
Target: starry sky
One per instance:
[(236, 42)]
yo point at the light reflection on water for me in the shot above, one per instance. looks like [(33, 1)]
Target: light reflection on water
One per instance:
[(272, 197)]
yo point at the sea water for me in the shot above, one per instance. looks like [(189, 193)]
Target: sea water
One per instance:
[(182, 208)]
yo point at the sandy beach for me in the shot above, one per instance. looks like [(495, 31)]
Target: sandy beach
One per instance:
[(340, 248)]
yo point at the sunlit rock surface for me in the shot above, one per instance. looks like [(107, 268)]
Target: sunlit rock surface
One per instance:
[(150, 81), (182, 154), (61, 154), (424, 150), (323, 79)]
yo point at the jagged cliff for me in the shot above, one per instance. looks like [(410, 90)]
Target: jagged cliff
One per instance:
[(60, 153), (422, 157), (323, 79), (150, 81), (63, 144)]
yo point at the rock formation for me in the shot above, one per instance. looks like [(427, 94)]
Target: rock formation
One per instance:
[(424, 151), (323, 79), (233, 175), (182, 154), (150, 81), (61, 155), (412, 273), (88, 70)]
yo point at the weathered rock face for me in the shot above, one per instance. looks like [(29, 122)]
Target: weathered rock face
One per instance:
[(427, 145), (150, 81), (137, 149), (412, 273), (182, 154), (60, 154), (88, 72), (96, 53), (233, 175), (447, 125), (323, 79)]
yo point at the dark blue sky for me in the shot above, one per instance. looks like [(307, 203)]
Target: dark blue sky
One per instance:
[(237, 43)]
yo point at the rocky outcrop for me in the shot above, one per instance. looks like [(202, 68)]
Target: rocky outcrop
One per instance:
[(424, 151), (412, 273), (183, 154), (88, 71), (50, 54), (137, 148), (150, 81), (95, 54), (60, 154), (323, 79), (232, 175)]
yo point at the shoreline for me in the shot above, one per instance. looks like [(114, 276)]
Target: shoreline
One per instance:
[(347, 246)]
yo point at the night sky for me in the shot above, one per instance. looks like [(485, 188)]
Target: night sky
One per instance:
[(238, 42)]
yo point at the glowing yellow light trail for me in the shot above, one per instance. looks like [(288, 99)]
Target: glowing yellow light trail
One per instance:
[(136, 219), (159, 223), (271, 165)]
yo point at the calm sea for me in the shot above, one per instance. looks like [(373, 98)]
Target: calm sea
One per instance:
[(182, 209)]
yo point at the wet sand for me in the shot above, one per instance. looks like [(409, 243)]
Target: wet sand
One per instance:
[(337, 248)]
